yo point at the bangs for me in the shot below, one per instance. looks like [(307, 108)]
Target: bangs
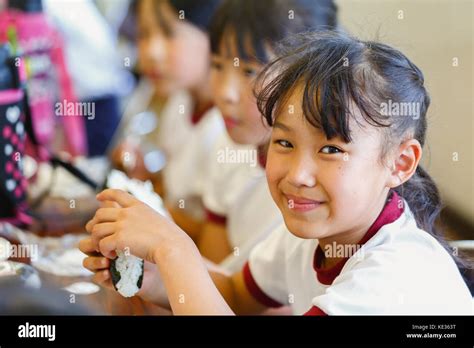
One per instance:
[(160, 19), (196, 12), (256, 25), (331, 70), (247, 30), (240, 44)]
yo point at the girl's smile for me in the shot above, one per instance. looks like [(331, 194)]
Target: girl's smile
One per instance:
[(231, 122), (301, 204)]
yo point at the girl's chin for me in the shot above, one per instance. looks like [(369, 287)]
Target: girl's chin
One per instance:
[(305, 229), (238, 136)]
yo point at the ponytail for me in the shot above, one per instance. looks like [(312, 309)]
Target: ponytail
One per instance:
[(423, 198)]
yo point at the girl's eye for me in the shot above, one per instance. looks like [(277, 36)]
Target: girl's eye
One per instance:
[(250, 72), (142, 33), (283, 143), (216, 65), (331, 150)]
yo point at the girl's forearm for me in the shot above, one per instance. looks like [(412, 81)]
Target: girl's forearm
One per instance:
[(190, 288)]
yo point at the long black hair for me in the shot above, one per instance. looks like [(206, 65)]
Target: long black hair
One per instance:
[(264, 22), (338, 72)]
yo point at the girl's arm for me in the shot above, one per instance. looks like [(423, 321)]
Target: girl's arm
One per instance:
[(213, 242), (231, 287), (189, 286)]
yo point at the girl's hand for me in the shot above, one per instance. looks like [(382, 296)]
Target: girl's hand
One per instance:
[(128, 158), (96, 263), (134, 227), (152, 289), (154, 238)]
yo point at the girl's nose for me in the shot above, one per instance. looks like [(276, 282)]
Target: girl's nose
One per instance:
[(229, 90), (302, 172), (156, 50)]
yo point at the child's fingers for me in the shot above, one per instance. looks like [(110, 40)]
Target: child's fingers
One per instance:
[(100, 231), (106, 215), (107, 246), (110, 204), (96, 263), (103, 279), (103, 215), (121, 197), (87, 246), (89, 225)]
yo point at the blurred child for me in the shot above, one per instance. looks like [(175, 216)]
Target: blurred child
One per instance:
[(343, 168), (174, 56)]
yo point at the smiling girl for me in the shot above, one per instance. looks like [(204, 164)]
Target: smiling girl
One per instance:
[(342, 174)]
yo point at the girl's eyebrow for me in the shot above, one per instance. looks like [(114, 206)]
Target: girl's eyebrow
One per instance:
[(282, 126)]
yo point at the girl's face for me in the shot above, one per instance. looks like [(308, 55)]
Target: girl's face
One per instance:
[(232, 80), (178, 59), (324, 187)]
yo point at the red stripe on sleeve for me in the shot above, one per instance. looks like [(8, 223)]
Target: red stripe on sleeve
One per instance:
[(216, 218), (255, 290), (315, 311)]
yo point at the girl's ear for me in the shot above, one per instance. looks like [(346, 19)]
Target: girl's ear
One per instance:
[(405, 162)]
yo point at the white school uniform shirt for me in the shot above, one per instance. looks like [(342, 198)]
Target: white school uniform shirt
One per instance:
[(400, 270), (174, 124), (236, 194), (173, 118), (251, 218), (232, 170), (187, 169)]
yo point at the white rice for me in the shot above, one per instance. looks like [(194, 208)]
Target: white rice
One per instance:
[(130, 268)]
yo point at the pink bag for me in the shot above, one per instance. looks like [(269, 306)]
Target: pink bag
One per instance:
[(25, 26), (13, 206), (15, 126)]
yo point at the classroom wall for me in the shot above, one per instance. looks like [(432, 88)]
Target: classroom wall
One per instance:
[(432, 33)]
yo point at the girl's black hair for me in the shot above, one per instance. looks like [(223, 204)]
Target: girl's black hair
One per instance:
[(339, 72), (197, 12), (261, 23)]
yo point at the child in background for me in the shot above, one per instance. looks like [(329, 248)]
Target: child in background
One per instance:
[(174, 56), (344, 172), (243, 39)]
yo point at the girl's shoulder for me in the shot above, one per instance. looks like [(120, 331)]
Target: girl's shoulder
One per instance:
[(407, 263), (406, 239)]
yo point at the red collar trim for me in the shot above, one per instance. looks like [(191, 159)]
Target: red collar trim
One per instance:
[(262, 155), (197, 116), (391, 212)]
